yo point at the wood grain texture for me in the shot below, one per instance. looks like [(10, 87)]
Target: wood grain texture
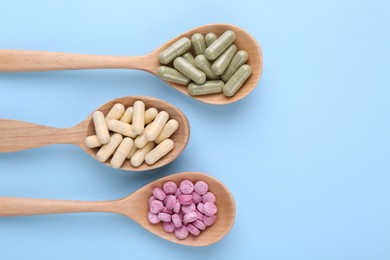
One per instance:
[(18, 135), (135, 206), (18, 60)]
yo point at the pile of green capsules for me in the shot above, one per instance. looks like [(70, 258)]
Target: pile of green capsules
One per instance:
[(218, 66)]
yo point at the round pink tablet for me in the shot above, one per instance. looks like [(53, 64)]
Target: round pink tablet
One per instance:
[(169, 227), (188, 208), (159, 193), (177, 207), (196, 198), (170, 187), (189, 217), (176, 220), (208, 197), (209, 209), (201, 187), (185, 199), (153, 218), (151, 198), (181, 232), (156, 206), (200, 215), (193, 230), (165, 217), (208, 221), (200, 207), (186, 187), (170, 201), (199, 224)]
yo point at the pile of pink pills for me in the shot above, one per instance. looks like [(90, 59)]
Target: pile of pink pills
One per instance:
[(187, 209)]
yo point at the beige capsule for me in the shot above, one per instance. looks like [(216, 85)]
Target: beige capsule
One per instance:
[(178, 48), (138, 121), (210, 38), (121, 127), (101, 127), (121, 153), (132, 151), (157, 125), (239, 59), (168, 130), (139, 156), (220, 45), (93, 141), (150, 115), (204, 64), (127, 115), (222, 62), (159, 151), (237, 80), (188, 56), (198, 43), (116, 112), (189, 70), (108, 149), (141, 140)]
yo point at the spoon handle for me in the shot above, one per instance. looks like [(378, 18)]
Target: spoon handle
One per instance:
[(20, 60), (24, 207), (19, 135)]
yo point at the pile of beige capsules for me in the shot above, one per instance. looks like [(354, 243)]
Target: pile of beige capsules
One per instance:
[(218, 66), (135, 133)]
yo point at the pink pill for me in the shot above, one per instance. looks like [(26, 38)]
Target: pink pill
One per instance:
[(153, 218), (165, 217), (178, 193), (151, 198), (177, 207), (200, 207), (193, 230), (199, 224), (201, 187), (170, 201), (188, 208), (170, 187), (208, 221), (169, 227), (196, 198), (168, 211), (200, 215), (189, 217), (186, 187), (181, 232), (181, 215), (176, 220), (209, 209), (208, 197), (185, 199), (159, 193), (156, 206)]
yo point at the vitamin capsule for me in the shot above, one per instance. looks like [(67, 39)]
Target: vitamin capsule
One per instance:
[(190, 217), (189, 70), (209, 197), (169, 128), (164, 217), (196, 198), (157, 126), (176, 220), (222, 62), (209, 87), (220, 45), (132, 151), (210, 38), (199, 207), (201, 187), (121, 153), (153, 218), (181, 232), (199, 224), (159, 151), (237, 80), (156, 206), (185, 199), (170, 187), (101, 127), (188, 56), (92, 141), (209, 209), (139, 156), (204, 65), (193, 230), (108, 149), (150, 115), (141, 140), (121, 128), (127, 115), (175, 50), (138, 117), (239, 59), (177, 207), (159, 193), (200, 215), (170, 201), (198, 43), (187, 187), (172, 75), (116, 112), (168, 227)]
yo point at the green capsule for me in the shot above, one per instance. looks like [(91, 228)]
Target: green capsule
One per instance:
[(189, 70), (240, 58), (210, 38), (222, 62), (204, 65), (172, 75), (237, 80), (209, 87), (175, 50), (198, 43), (220, 45), (188, 56)]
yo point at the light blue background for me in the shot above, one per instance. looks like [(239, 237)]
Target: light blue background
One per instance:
[(306, 155)]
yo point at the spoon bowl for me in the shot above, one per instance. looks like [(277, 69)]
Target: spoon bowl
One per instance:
[(18, 60), (135, 206), (18, 135)]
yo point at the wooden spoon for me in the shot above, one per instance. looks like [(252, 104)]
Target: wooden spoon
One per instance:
[(135, 206), (19, 135), (17, 60)]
